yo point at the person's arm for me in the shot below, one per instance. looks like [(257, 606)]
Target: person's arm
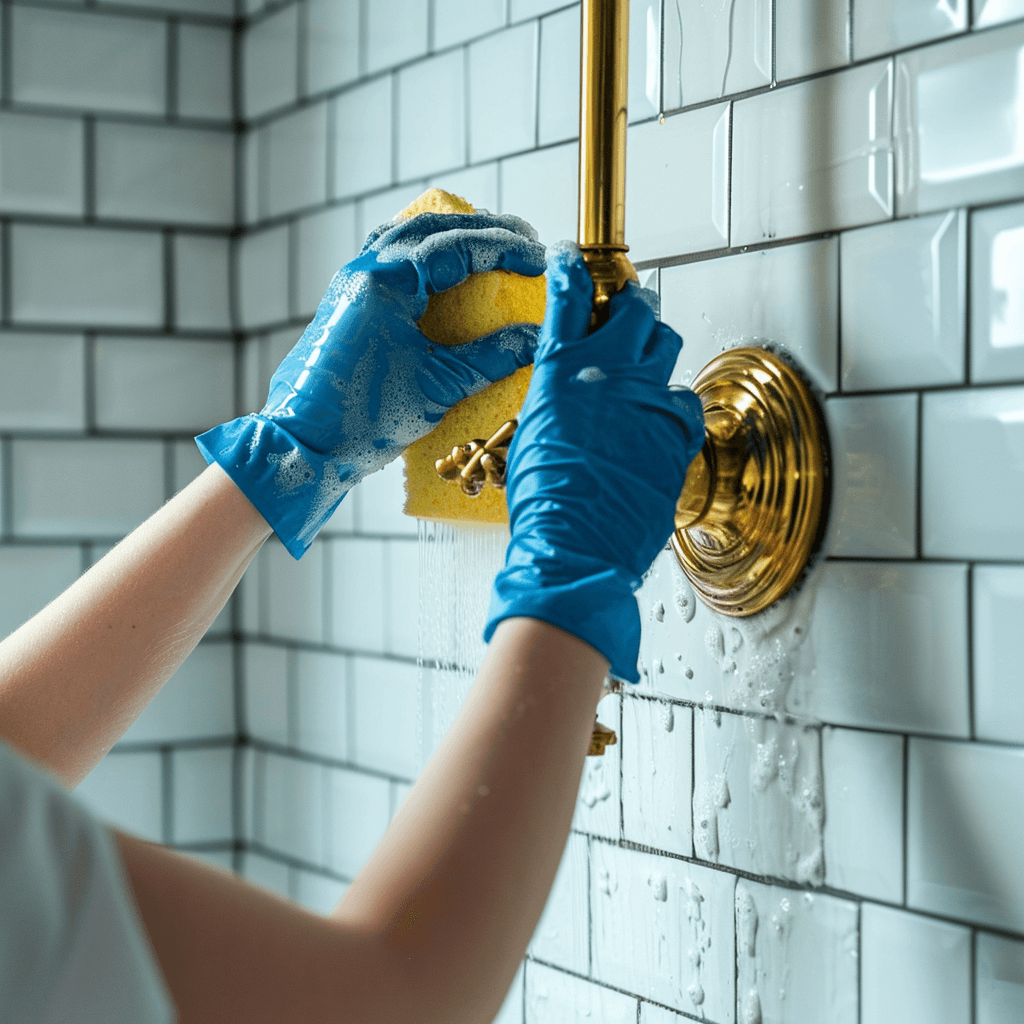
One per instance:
[(435, 925), (76, 675), (80, 672)]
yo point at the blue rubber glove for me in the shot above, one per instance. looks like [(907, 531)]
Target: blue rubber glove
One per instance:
[(596, 466), (363, 382)]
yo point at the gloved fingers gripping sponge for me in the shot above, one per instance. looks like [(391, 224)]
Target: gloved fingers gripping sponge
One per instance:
[(447, 248), (495, 300)]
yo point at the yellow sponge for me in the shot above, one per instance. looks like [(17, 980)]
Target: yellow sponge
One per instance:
[(481, 304)]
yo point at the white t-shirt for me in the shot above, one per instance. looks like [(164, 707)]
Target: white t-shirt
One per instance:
[(72, 946)]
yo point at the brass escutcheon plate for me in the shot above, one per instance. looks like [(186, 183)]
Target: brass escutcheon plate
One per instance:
[(754, 505)]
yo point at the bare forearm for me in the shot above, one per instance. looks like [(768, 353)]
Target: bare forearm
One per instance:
[(459, 882), (75, 676)]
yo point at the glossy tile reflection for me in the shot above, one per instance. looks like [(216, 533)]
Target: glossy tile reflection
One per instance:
[(959, 108), (997, 293)]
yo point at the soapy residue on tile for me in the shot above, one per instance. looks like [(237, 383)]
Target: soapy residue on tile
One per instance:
[(758, 788), (796, 956), (458, 563)]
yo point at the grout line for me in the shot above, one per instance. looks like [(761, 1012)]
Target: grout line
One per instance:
[(906, 814), (590, 909), (964, 283), (220, 742), (612, 988), (6, 271), (238, 774), (622, 738), (971, 725), (89, 161), (522, 994), (295, 863), (362, 62), (169, 466), (6, 54), (537, 50), (973, 1011), (292, 697), (234, 305), (395, 134), (860, 961), (467, 159), (302, 56), (918, 480), (728, 180), (331, 137), (173, 76), (169, 281), (6, 487), (89, 374), (293, 269), (839, 314), (693, 779), (275, 749), (237, 75), (350, 707), (792, 886), (167, 793), (128, 9)]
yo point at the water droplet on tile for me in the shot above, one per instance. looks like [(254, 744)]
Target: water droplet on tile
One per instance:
[(658, 611), (746, 921), (688, 673), (659, 886), (714, 640), (696, 993), (752, 1008), (735, 640), (605, 882), (668, 718), (684, 597)]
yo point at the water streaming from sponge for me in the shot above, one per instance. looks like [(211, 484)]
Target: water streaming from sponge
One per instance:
[(458, 563)]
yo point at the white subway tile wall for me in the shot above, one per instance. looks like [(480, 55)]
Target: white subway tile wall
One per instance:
[(177, 190), (914, 968), (204, 72), (42, 164), (88, 60), (332, 43), (711, 50), (168, 174), (502, 91), (904, 295)]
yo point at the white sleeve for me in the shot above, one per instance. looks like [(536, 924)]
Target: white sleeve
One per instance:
[(72, 945)]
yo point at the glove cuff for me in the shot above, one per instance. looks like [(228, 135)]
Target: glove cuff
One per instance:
[(595, 604), (293, 487)]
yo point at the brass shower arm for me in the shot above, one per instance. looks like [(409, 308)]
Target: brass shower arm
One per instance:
[(604, 86)]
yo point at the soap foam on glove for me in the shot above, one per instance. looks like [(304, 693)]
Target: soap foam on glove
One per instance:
[(596, 466), (363, 382)]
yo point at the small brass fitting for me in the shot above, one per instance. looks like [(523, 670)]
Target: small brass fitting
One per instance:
[(600, 738), (479, 462)]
